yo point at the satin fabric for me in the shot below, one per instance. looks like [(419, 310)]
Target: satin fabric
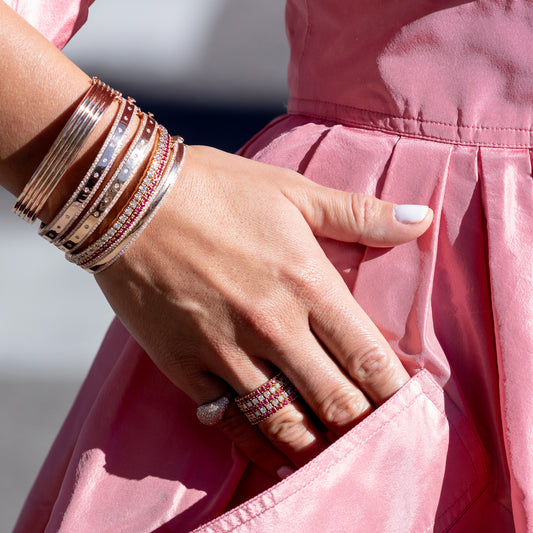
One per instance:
[(416, 102), (57, 20)]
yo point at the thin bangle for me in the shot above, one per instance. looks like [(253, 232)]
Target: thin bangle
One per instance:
[(171, 178), (95, 176), (65, 148), (140, 147), (138, 203)]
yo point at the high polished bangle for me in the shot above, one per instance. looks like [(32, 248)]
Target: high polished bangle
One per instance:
[(133, 209), (63, 151), (170, 178), (139, 149), (95, 176)]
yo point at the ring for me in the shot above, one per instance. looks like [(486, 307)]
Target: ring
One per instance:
[(268, 398), (211, 413)]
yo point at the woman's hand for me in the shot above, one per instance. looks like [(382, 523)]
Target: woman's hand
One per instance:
[(227, 284)]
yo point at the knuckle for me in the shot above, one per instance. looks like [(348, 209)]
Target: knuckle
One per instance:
[(285, 429), (299, 283), (363, 211), (304, 277), (371, 365), (265, 321), (183, 363), (343, 407)]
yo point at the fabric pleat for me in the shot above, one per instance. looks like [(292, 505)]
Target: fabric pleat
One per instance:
[(508, 201)]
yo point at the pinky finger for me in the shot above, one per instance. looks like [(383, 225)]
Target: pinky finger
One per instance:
[(254, 444), (237, 428)]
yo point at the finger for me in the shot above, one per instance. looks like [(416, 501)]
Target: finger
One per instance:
[(254, 444), (290, 429), (355, 342), (236, 427), (352, 217), (327, 390)]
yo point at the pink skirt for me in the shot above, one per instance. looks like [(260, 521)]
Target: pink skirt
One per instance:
[(450, 451)]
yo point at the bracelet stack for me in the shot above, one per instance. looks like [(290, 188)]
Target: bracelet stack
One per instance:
[(120, 192)]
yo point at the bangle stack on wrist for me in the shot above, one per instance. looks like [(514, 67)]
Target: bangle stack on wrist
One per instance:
[(101, 219)]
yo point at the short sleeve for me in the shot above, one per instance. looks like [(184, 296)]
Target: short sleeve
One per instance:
[(57, 20)]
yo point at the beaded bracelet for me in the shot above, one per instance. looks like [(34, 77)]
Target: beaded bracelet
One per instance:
[(170, 179), (147, 183), (95, 176), (65, 148), (140, 147)]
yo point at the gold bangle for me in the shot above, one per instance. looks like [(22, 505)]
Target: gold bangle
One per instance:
[(140, 198), (63, 151), (95, 176), (166, 185), (140, 147)]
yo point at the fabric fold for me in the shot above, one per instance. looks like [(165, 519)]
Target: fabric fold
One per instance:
[(58, 21), (508, 200)]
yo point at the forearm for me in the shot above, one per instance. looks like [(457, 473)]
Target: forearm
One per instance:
[(39, 89)]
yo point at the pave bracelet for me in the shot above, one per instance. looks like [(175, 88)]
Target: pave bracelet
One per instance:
[(95, 176), (132, 210), (139, 149), (170, 178), (116, 198)]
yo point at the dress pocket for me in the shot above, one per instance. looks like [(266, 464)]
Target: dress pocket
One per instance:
[(415, 464)]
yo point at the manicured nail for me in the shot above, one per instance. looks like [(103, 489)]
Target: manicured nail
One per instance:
[(410, 214), (285, 471)]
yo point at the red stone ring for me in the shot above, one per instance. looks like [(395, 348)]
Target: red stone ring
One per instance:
[(268, 398)]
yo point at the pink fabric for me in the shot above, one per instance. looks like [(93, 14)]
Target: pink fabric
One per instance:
[(417, 102), (57, 20)]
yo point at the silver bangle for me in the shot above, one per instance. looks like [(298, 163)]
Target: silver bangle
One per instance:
[(124, 222)]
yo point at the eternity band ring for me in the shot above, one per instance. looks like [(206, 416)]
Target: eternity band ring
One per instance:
[(267, 399)]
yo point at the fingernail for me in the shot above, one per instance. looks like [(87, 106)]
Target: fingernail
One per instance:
[(285, 471), (410, 214)]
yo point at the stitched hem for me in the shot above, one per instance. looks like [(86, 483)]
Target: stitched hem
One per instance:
[(491, 136)]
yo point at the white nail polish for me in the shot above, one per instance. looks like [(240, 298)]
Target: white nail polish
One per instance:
[(285, 471), (410, 214)]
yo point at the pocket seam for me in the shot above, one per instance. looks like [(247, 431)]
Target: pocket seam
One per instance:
[(428, 389), (419, 393)]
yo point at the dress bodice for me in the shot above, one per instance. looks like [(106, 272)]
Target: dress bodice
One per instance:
[(453, 69)]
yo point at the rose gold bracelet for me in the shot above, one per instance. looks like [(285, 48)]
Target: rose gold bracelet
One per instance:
[(63, 151), (170, 179), (119, 228), (95, 176), (129, 226), (140, 147)]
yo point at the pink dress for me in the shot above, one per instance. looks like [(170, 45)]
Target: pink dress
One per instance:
[(416, 102)]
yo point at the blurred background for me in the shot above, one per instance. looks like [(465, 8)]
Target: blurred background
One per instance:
[(213, 71)]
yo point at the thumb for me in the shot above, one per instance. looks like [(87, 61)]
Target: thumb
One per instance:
[(352, 217)]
